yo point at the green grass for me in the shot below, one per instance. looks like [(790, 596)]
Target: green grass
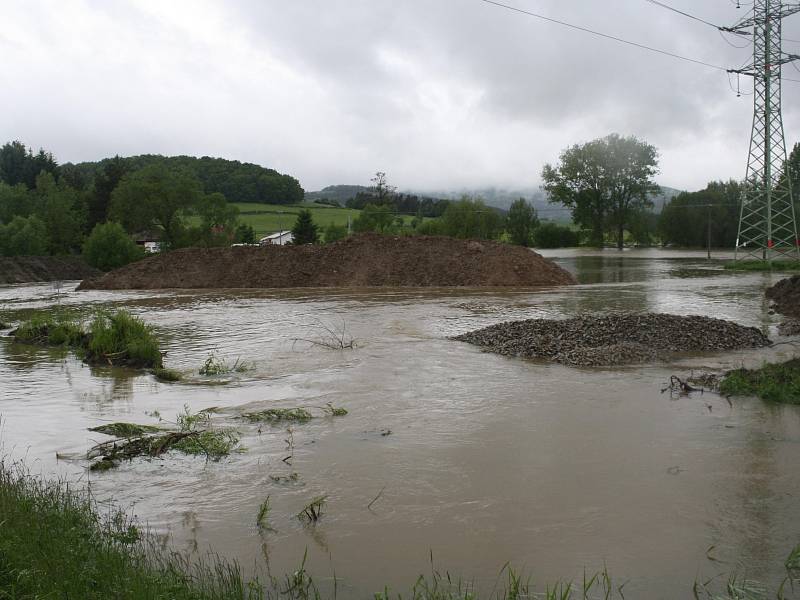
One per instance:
[(268, 218), (50, 330), (776, 382), (168, 375), (758, 265), (125, 430)]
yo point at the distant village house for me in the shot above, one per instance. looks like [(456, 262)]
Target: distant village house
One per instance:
[(279, 238)]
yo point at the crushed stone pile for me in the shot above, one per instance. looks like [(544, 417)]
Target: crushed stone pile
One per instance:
[(367, 260), (613, 339)]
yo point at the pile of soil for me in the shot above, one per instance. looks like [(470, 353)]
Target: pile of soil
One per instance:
[(27, 269), (614, 339), (365, 260), (785, 295)]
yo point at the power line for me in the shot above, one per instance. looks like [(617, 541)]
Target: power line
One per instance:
[(685, 14), (603, 35)]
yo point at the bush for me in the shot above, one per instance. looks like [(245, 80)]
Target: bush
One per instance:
[(553, 235), (109, 247), (24, 237), (51, 331), (335, 232)]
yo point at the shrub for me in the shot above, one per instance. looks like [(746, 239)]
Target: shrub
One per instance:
[(109, 247), (553, 235), (335, 232), (24, 237)]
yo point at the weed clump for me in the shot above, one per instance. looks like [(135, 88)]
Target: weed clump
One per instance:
[(776, 382), (168, 375), (122, 339), (263, 512), (334, 411), (219, 366), (278, 415), (312, 512)]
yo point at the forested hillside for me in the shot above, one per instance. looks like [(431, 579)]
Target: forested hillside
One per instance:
[(237, 181)]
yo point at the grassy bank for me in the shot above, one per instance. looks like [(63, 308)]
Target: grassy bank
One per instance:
[(112, 338), (758, 265), (776, 382), (56, 542)]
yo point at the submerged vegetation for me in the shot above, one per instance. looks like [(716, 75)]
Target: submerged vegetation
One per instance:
[(118, 339), (195, 436), (278, 415), (219, 366), (776, 382), (168, 375)]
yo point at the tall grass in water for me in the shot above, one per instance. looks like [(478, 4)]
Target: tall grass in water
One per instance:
[(121, 338), (776, 382), (50, 330)]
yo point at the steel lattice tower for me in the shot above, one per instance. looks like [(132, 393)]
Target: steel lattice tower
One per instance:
[(767, 225)]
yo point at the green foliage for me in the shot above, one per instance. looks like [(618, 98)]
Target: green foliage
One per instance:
[(759, 265), (24, 237), (520, 222), (122, 339), (470, 218), (109, 247), (169, 375), (63, 211), (334, 411), (278, 415), (15, 201), (213, 444), (604, 182), (553, 235), (218, 220), (105, 181), (375, 218), (685, 220), (305, 231), (334, 233), (155, 198), (776, 382), (263, 512), (245, 234)]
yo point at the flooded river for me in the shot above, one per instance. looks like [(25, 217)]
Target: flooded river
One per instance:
[(481, 459)]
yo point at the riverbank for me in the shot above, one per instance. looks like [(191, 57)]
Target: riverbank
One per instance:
[(30, 269), (367, 260), (57, 542)]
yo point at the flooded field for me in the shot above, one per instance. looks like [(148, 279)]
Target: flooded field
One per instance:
[(474, 458)]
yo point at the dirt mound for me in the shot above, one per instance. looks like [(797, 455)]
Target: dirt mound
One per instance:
[(614, 339), (359, 261), (26, 269), (786, 296)]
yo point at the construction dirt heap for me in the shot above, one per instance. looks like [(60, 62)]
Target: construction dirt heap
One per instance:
[(785, 296), (614, 339), (26, 269), (359, 261)]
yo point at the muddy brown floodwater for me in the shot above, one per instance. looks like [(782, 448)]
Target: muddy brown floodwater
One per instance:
[(490, 459)]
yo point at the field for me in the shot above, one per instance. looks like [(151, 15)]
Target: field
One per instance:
[(268, 218)]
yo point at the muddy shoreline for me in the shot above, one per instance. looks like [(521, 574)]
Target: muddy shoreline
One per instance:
[(367, 260)]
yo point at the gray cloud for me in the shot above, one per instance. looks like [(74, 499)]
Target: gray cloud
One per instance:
[(439, 94)]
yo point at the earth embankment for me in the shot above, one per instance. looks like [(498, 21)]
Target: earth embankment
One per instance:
[(29, 269), (367, 260), (614, 339), (786, 296)]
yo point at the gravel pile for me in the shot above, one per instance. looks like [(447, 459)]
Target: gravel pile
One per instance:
[(613, 339)]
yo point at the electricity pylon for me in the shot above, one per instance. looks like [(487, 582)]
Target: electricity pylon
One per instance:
[(767, 225)]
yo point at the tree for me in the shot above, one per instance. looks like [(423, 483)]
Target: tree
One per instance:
[(245, 234), (305, 231), (553, 235), (377, 218), (471, 218), (15, 201), (381, 190), (110, 247), (604, 182), (63, 212), (19, 165), (24, 237), (689, 217), (105, 182), (218, 220), (520, 222), (155, 198)]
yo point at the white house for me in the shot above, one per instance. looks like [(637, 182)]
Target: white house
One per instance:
[(279, 238)]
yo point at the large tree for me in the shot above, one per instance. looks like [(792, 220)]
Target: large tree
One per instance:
[(155, 198), (604, 182), (520, 222)]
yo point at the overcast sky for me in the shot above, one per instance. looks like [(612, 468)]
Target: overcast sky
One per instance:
[(437, 93)]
